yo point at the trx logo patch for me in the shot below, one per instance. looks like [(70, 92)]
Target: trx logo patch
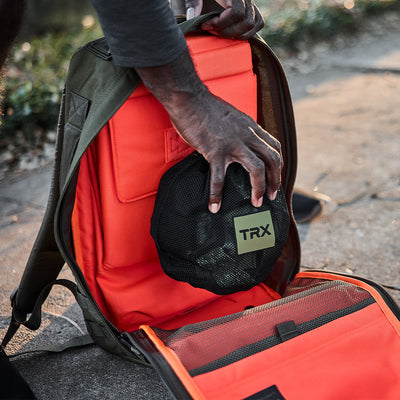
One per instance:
[(254, 232)]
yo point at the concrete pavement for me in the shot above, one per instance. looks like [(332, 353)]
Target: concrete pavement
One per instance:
[(348, 123)]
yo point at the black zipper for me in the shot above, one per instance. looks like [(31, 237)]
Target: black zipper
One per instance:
[(394, 307)]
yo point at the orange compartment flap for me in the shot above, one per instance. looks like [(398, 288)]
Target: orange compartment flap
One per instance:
[(214, 58), (336, 361), (145, 144)]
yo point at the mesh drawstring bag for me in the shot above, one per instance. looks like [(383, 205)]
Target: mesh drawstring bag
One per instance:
[(232, 250)]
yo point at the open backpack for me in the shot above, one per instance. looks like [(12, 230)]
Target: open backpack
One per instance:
[(296, 335)]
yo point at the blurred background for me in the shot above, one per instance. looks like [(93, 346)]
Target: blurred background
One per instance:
[(54, 29)]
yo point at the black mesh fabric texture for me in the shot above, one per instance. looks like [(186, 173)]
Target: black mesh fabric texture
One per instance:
[(205, 346), (201, 248)]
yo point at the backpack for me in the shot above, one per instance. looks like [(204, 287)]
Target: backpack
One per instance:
[(296, 335)]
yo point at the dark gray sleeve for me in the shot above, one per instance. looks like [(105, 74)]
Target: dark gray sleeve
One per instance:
[(140, 33)]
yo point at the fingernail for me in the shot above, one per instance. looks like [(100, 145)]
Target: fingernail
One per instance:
[(190, 13), (214, 207), (259, 202), (273, 196)]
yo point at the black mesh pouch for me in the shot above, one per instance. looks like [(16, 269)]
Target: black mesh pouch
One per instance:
[(226, 252)]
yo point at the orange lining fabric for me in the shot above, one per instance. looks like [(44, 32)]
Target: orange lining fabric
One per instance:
[(339, 360), (355, 357), (175, 363), (115, 196)]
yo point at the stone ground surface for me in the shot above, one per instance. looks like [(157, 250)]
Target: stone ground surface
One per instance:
[(346, 103)]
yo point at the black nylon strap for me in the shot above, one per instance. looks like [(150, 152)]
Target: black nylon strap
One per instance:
[(74, 343), (35, 319), (11, 331)]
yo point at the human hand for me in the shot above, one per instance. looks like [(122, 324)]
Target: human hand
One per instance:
[(223, 135), (240, 19), (217, 130)]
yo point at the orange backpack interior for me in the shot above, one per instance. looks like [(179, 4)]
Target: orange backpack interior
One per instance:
[(117, 184)]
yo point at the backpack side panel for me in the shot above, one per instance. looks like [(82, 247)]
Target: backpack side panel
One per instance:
[(275, 114), (45, 261)]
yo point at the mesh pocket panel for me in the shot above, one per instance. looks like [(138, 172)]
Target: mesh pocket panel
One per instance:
[(209, 345), (201, 248)]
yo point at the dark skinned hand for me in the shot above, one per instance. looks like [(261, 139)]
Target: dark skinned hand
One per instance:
[(239, 19), (220, 132)]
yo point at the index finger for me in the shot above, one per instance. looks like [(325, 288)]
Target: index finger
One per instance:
[(217, 179), (193, 8)]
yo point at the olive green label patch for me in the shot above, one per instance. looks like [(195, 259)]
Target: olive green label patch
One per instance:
[(254, 232)]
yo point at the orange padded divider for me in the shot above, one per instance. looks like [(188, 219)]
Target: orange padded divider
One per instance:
[(354, 357), (115, 196)]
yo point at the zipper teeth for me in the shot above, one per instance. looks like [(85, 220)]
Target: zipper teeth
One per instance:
[(394, 307)]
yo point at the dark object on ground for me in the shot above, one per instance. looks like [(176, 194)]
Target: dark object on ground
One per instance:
[(306, 206), (12, 385)]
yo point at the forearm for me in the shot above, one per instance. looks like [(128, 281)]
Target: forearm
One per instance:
[(175, 84), (216, 129), (140, 33)]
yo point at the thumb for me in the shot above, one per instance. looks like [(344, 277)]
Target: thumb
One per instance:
[(193, 8)]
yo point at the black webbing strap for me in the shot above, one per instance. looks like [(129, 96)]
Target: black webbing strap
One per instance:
[(11, 331), (12, 384), (74, 343), (35, 319)]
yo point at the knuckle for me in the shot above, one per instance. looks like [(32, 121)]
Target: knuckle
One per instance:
[(238, 13), (256, 166), (259, 25), (217, 179), (275, 184), (276, 157), (276, 144), (248, 25), (260, 189), (216, 182)]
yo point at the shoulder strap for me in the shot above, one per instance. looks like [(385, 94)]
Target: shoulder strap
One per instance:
[(45, 260)]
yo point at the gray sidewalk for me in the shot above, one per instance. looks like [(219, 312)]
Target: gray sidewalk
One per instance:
[(348, 124)]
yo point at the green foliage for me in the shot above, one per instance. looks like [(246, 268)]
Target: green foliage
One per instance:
[(291, 22), (34, 81)]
